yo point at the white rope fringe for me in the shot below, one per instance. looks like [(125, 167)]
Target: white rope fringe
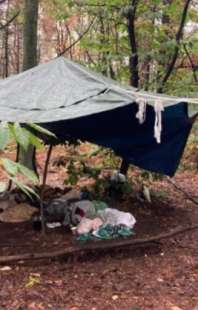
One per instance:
[(159, 108), (156, 100), (150, 97), (141, 114)]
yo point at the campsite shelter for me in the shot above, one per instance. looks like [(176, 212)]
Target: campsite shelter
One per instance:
[(146, 129)]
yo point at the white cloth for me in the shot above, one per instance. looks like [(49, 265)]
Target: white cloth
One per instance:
[(118, 177), (115, 217), (86, 225)]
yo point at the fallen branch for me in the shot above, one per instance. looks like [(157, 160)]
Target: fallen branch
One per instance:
[(95, 246), (188, 196)]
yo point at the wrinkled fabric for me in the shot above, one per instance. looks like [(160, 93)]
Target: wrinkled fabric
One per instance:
[(80, 209), (77, 103), (115, 217), (108, 224), (120, 130), (107, 232), (87, 225), (62, 89)]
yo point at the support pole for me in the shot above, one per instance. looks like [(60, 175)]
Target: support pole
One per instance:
[(124, 167), (43, 189), (16, 160)]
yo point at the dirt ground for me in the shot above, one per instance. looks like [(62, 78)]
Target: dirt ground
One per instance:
[(161, 276)]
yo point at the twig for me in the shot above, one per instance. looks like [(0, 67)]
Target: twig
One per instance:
[(2, 26), (96, 247), (79, 38), (99, 5), (193, 66), (180, 189)]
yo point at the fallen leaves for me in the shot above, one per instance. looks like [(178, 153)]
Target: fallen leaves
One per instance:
[(34, 278), (176, 308)]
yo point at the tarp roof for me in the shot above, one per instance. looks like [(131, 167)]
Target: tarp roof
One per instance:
[(77, 103), (62, 89)]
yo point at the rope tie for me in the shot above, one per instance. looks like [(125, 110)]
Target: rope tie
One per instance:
[(141, 114), (159, 108)]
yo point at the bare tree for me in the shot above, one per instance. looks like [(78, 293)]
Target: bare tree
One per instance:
[(29, 60), (30, 34), (131, 17), (133, 65), (178, 38)]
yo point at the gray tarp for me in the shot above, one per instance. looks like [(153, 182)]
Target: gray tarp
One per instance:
[(76, 103), (62, 90)]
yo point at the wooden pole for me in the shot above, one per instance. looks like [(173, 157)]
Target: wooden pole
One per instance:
[(43, 189)]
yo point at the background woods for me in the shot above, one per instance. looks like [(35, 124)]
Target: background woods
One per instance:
[(149, 44), (152, 45)]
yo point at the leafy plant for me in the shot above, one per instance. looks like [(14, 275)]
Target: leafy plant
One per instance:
[(22, 136)]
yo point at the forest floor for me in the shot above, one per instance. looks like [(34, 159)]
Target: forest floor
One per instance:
[(162, 276)]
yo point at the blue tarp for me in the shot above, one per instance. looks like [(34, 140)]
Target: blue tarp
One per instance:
[(120, 130), (75, 102)]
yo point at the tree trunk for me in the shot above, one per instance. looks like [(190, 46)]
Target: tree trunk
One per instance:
[(29, 60), (133, 62), (6, 53), (30, 34), (134, 74), (6, 44)]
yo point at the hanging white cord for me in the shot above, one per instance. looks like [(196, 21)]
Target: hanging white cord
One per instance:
[(141, 114), (159, 108), (134, 93), (146, 98)]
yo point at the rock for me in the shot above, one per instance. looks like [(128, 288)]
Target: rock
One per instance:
[(4, 205), (18, 213), (6, 268), (160, 280)]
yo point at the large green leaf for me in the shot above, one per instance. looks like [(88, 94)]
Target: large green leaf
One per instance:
[(34, 140), (21, 135), (4, 135), (2, 187), (10, 166), (26, 189), (13, 169), (42, 130), (27, 173)]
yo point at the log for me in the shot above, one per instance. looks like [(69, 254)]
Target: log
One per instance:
[(95, 246)]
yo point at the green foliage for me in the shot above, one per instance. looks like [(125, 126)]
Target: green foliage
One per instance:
[(78, 169), (4, 135), (2, 187), (42, 130), (100, 183), (8, 133), (106, 46)]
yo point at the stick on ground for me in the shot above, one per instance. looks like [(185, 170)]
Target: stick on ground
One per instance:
[(95, 246)]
